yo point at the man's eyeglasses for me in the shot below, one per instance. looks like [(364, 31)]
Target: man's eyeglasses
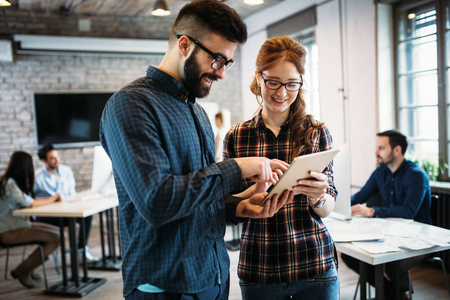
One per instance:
[(218, 60), (292, 86)]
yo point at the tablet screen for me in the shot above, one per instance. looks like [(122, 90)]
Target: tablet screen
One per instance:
[(300, 168)]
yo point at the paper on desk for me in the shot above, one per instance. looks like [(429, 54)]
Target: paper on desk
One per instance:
[(355, 231), (402, 229), (377, 247), (399, 232), (378, 224), (435, 240), (82, 196), (393, 244), (410, 236), (422, 241), (415, 244)]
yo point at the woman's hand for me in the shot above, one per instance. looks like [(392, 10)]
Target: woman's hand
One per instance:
[(314, 187)]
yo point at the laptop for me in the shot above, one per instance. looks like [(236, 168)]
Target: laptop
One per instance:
[(341, 170)]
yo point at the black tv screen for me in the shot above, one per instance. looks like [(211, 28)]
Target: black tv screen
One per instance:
[(69, 119)]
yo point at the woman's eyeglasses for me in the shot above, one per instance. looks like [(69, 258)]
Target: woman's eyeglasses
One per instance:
[(291, 86)]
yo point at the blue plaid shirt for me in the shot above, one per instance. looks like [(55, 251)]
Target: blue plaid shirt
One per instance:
[(171, 208)]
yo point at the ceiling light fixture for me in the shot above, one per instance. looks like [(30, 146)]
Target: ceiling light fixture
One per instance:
[(253, 2), (160, 9), (5, 3)]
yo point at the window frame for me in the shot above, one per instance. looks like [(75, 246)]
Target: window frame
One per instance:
[(441, 8)]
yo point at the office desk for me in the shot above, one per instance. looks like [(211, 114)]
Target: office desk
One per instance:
[(377, 260), (74, 286)]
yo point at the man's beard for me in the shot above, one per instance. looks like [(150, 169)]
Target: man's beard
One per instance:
[(385, 161), (52, 168), (193, 79)]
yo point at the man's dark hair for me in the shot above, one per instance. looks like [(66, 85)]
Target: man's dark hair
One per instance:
[(42, 153), (395, 139), (219, 115), (202, 17)]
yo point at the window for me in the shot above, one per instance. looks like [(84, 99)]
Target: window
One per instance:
[(422, 107), (311, 78), (301, 27)]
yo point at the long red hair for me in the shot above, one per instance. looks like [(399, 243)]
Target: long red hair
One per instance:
[(274, 51)]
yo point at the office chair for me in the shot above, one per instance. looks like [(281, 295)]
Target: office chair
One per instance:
[(357, 288), (410, 292), (442, 264), (368, 288), (41, 248)]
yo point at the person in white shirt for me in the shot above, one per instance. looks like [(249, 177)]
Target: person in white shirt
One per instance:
[(55, 178), (220, 135)]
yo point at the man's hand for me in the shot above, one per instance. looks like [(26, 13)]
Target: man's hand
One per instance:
[(362, 210), (261, 187), (255, 209), (261, 169), (57, 198)]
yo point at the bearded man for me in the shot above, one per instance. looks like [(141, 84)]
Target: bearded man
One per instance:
[(402, 190), (173, 196)]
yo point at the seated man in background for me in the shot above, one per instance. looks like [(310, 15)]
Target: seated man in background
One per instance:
[(405, 192), (55, 178)]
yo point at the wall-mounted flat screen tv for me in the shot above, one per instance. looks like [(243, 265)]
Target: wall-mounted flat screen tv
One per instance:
[(69, 120)]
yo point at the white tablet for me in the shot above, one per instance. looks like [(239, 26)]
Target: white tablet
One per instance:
[(300, 168)]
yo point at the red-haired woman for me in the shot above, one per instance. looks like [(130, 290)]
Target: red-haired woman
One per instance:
[(290, 255)]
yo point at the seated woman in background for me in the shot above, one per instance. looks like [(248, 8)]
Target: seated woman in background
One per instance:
[(16, 191)]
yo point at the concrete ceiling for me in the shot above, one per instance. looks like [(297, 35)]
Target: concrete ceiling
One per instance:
[(123, 7)]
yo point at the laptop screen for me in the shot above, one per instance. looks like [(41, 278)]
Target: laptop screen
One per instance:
[(341, 170)]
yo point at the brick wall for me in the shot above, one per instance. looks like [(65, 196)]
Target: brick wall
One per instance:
[(35, 22), (81, 72)]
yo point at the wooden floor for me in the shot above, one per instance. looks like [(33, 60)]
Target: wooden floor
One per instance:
[(428, 282)]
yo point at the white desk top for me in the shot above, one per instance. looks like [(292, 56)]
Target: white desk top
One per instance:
[(73, 209), (380, 258)]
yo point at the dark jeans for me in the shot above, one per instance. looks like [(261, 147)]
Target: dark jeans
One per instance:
[(389, 268), (320, 287), (87, 224), (217, 292)]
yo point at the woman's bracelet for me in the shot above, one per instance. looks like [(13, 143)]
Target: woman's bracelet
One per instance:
[(320, 203)]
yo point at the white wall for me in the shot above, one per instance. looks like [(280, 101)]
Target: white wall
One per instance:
[(385, 56), (249, 53), (330, 70), (361, 70), (352, 119), (257, 34)]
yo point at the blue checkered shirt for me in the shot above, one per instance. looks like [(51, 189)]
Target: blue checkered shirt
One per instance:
[(172, 213)]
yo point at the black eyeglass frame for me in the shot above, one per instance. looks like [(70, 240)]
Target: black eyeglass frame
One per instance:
[(282, 84), (220, 59)]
